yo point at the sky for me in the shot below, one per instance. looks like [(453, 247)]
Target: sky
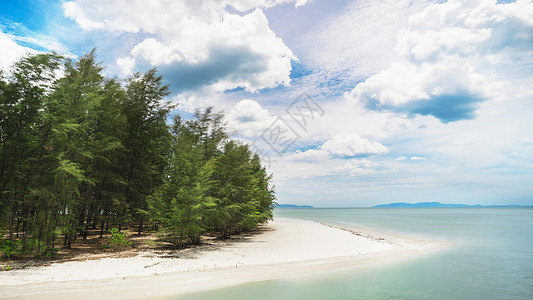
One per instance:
[(349, 103)]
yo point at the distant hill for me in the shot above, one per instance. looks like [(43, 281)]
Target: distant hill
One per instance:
[(292, 206), (438, 204)]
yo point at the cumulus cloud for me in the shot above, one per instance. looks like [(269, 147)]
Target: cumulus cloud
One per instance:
[(445, 52), (343, 145), (225, 68), (249, 118), (446, 90), (349, 145), (310, 155), (218, 45), (469, 28)]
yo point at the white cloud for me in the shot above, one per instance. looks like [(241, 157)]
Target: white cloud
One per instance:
[(451, 53), (126, 64), (249, 118), (333, 157), (245, 5), (11, 52), (402, 158), (16, 34), (361, 167), (469, 27), (417, 158), (361, 38), (76, 12), (154, 52), (127, 16), (316, 163), (348, 145), (342, 145), (289, 170), (405, 82), (191, 102), (202, 41), (316, 155), (453, 72)]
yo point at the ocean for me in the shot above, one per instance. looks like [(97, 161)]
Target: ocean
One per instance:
[(490, 257)]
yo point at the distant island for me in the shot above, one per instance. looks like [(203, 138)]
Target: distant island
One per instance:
[(438, 204), (292, 206)]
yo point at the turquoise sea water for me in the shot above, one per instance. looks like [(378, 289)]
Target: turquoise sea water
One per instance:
[(491, 257)]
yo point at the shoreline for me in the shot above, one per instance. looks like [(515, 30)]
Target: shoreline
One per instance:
[(285, 248)]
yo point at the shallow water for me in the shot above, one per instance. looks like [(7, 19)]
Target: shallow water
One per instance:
[(491, 257)]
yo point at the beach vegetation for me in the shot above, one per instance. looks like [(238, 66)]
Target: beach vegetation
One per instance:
[(117, 240), (81, 152), (8, 248)]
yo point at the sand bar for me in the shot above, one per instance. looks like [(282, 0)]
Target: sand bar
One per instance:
[(285, 248)]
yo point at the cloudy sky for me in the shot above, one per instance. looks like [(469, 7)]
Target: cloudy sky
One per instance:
[(350, 103)]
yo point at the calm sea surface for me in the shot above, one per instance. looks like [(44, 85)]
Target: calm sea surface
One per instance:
[(491, 258)]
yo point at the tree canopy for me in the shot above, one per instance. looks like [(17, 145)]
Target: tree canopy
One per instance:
[(79, 150)]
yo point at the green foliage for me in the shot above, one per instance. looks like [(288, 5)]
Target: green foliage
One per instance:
[(49, 251), (118, 240), (9, 248), (212, 183), (82, 150), (146, 139)]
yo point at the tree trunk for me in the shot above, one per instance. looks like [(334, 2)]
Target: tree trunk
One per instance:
[(103, 225), (26, 229), (140, 225), (11, 220)]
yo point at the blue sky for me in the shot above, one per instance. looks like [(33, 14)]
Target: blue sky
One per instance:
[(350, 103)]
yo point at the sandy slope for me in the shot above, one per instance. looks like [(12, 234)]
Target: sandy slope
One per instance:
[(286, 248)]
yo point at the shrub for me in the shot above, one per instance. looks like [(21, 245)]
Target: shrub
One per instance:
[(9, 247), (117, 240), (49, 251)]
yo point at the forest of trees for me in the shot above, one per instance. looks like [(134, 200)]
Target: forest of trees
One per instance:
[(80, 151)]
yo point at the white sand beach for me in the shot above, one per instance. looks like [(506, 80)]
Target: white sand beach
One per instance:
[(286, 248)]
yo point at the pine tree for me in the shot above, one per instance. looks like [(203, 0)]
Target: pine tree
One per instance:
[(78, 150), (146, 141), (22, 102)]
